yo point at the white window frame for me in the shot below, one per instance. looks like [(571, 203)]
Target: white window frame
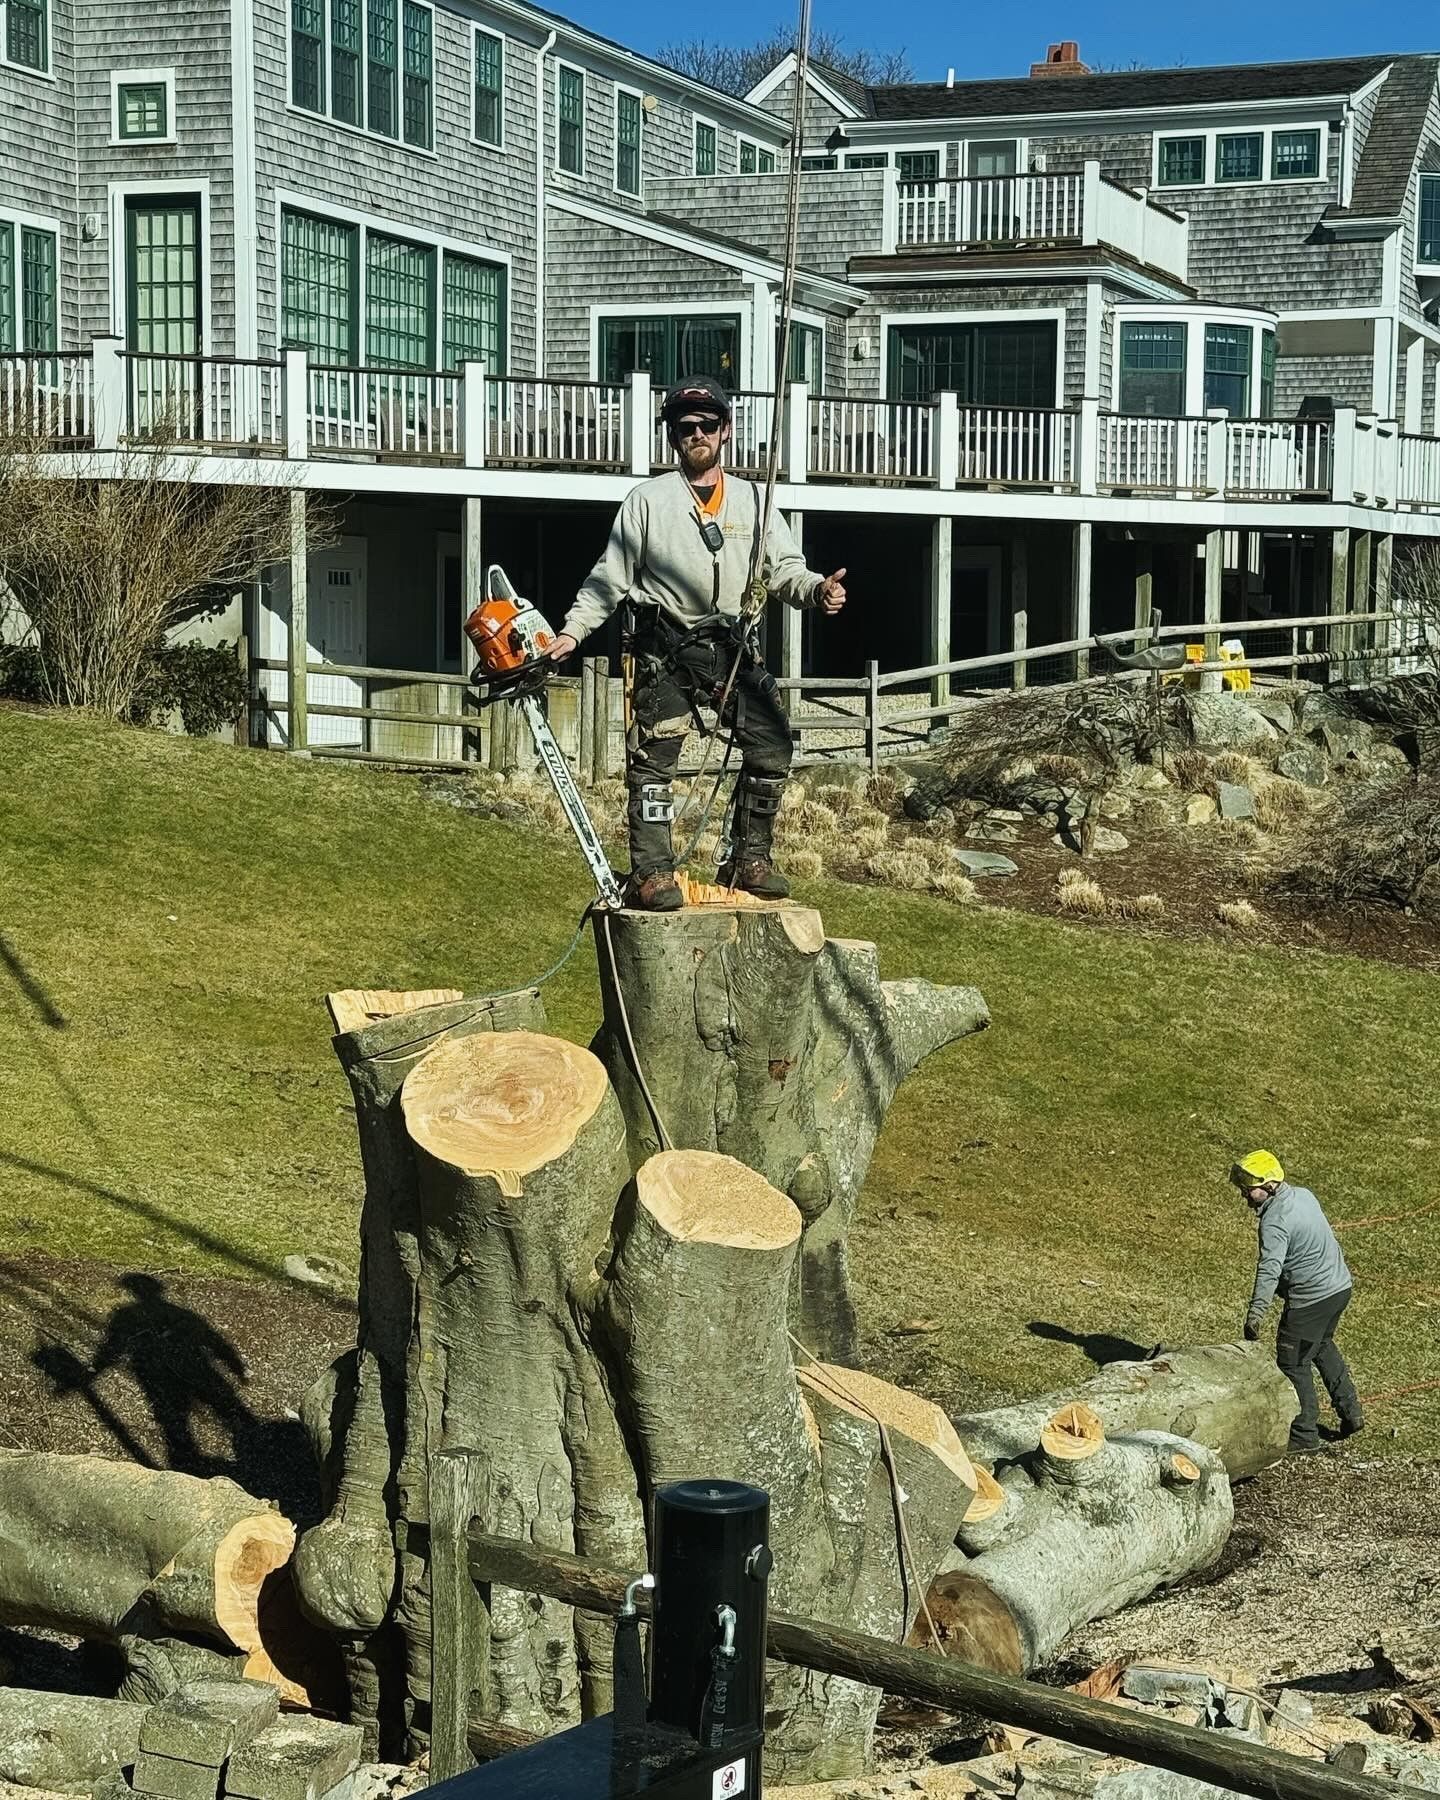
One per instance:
[(757, 146), (943, 154), (816, 322), (995, 315), (28, 221), (583, 73), (478, 31), (172, 187), (1022, 155), (48, 72), (1194, 319), (883, 157), (696, 121), (141, 78), (654, 309), (1432, 265), (294, 201), (638, 191), (1265, 133), (398, 142)]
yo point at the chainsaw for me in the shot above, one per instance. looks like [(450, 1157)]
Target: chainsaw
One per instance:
[(511, 639)]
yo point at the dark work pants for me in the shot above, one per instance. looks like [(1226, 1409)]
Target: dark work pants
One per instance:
[(660, 719), (1306, 1341)]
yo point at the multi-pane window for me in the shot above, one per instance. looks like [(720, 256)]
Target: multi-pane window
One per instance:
[(670, 347), (1227, 368), (1427, 247), (627, 141), (162, 258), (474, 322), (346, 58), (571, 112), (399, 290), (809, 163), (27, 33), (806, 361), (868, 159), (755, 159), (29, 307), (917, 165), (319, 286), (142, 110), (383, 75), (986, 365), (1182, 161), (1267, 374), (704, 148), (1239, 156), (307, 54), (489, 88), (1152, 368), (7, 286), (419, 59), (997, 157), (1294, 155)]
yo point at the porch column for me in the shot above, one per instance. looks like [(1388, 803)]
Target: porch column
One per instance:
[(1144, 584), (298, 733), (1019, 606), (1082, 545), (1339, 596), (1414, 419), (1385, 633), (1359, 637), (942, 540), (1213, 682), (472, 573), (792, 627)]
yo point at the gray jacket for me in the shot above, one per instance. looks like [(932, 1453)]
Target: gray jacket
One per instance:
[(656, 553), (1300, 1256)]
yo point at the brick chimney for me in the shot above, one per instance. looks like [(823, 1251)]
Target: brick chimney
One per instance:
[(1060, 59)]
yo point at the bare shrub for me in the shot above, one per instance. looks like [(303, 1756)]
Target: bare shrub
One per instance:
[(950, 884), (1082, 896), (1378, 842), (1135, 906), (1239, 915), (899, 868), (102, 568), (1190, 770), (1279, 803)]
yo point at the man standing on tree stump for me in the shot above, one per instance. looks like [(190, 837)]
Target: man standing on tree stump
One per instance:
[(680, 556), (1300, 1258)]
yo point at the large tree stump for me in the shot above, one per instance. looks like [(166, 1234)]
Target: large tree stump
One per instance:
[(65, 1743)]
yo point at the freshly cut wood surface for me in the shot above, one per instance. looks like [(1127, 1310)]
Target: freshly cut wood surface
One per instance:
[(1073, 1434), (699, 1197), (502, 1104), (867, 1397), (989, 1497), (705, 893), (249, 1552), (352, 1009)]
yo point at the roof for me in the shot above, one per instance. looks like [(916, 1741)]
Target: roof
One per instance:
[(845, 85), (1128, 89), (1392, 143)]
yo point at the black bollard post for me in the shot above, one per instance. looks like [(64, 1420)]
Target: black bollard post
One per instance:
[(707, 1642)]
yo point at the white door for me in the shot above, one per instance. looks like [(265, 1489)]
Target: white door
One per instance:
[(336, 634)]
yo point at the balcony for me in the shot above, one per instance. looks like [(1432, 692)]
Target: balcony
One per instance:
[(1033, 212), (129, 404)]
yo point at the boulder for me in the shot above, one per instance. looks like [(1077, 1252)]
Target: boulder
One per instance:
[(991, 831), (1200, 809), (1344, 738), (1280, 713), (1304, 763), (1227, 722), (1115, 806), (978, 863), (1234, 801)]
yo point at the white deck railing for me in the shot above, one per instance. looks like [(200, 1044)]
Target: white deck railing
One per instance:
[(580, 423), (994, 209), (47, 394), (1419, 483), (1167, 455), (394, 412), (873, 440), (206, 400), (1278, 456), (1016, 446), (749, 435)]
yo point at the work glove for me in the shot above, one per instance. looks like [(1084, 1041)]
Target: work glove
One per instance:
[(1252, 1331)]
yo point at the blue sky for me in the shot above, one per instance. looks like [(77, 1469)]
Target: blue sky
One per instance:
[(989, 39)]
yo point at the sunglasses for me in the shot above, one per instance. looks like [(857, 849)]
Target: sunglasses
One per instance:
[(698, 427)]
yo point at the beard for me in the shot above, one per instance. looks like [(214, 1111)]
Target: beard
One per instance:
[(699, 455)]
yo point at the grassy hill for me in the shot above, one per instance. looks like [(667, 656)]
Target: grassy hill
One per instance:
[(173, 913)]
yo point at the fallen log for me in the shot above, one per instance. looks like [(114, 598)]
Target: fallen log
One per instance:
[(1229, 1397), (65, 1742), (103, 1549)]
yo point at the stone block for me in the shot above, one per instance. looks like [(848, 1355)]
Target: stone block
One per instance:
[(1234, 800), (1107, 842), (991, 831), (1239, 1715), (1005, 815), (207, 1720), (985, 862), (1227, 722), (172, 1778), (1344, 738), (1280, 713), (1168, 1684), (1200, 809), (1304, 763), (1294, 1708), (297, 1758)]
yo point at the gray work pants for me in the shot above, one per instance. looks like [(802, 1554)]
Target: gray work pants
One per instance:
[(1306, 1342)]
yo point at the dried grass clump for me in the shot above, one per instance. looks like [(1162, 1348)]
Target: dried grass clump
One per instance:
[(1239, 915), (813, 821), (899, 868), (844, 802), (1237, 834), (950, 884), (1061, 771), (1136, 906), (1231, 766), (609, 793), (883, 792), (1279, 803), (1190, 770), (1083, 895), (805, 865), (792, 798), (869, 840), (1069, 876), (938, 852)]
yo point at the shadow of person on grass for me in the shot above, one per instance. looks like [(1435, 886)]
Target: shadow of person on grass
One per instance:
[(1100, 1347)]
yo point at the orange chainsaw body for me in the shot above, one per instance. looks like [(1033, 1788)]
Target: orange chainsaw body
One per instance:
[(508, 634)]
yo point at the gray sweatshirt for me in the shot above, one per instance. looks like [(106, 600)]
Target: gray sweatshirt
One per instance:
[(1300, 1255), (656, 553)]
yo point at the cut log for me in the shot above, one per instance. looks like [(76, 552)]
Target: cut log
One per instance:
[(104, 1548), (1229, 1397), (65, 1742)]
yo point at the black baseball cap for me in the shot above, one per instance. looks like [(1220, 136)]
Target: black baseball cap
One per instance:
[(697, 393)]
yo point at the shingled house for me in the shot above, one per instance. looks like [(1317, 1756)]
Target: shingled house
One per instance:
[(1066, 345)]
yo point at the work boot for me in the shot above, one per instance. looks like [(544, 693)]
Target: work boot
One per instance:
[(756, 875), (1303, 1447), (656, 892), (1349, 1427)]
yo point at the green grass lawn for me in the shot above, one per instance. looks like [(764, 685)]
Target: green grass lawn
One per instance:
[(174, 912)]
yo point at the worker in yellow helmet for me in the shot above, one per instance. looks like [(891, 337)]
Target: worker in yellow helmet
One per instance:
[(1300, 1259)]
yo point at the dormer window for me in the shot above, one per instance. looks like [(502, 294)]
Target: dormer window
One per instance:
[(1427, 243), (1240, 156), (1295, 156), (1182, 161)]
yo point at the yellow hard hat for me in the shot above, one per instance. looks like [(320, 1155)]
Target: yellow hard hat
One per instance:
[(1259, 1166)]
